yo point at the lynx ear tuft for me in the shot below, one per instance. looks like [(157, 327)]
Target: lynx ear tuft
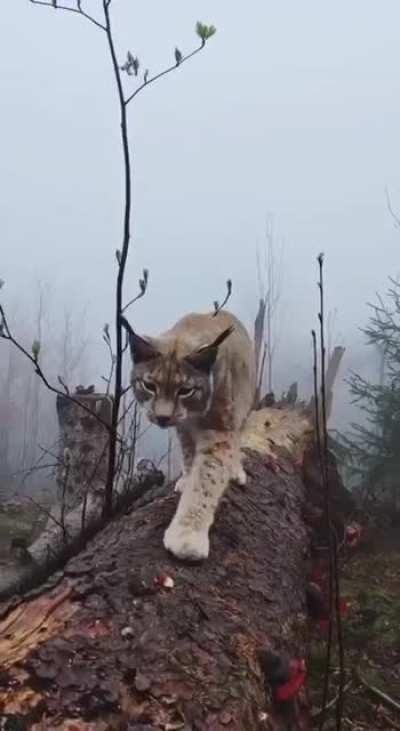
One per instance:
[(141, 348), (204, 358)]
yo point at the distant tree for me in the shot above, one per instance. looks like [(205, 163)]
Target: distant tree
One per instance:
[(72, 346), (372, 448), (269, 271), (35, 401), (7, 411)]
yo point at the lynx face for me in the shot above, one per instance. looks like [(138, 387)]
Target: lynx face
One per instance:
[(172, 388)]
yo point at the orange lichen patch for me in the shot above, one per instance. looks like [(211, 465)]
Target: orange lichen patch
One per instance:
[(74, 724), (291, 430), (20, 701), (245, 648), (32, 623)]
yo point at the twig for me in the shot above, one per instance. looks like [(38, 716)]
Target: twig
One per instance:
[(163, 73), (35, 466), (88, 484), (322, 468), (126, 410), (143, 283), (316, 714), (54, 4), (204, 32), (379, 693), (32, 469), (44, 451), (332, 537), (163, 456), (217, 306), (394, 215), (135, 427), (393, 724), (49, 515), (5, 333), (325, 458), (64, 385), (122, 255), (67, 467), (334, 584), (107, 340)]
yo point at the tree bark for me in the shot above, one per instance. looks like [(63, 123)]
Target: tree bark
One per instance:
[(132, 639), (81, 476)]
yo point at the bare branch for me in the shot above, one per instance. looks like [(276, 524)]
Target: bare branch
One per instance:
[(143, 283), (5, 334), (107, 340), (384, 697), (49, 515), (34, 468), (323, 454), (317, 713), (126, 410), (204, 32), (217, 306), (54, 4), (63, 384), (394, 215), (166, 71)]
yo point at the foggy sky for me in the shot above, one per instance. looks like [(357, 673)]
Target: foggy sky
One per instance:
[(292, 109)]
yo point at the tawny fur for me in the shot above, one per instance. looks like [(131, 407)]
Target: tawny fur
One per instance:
[(208, 421)]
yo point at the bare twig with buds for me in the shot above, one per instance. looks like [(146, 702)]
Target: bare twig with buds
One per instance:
[(131, 68), (218, 307)]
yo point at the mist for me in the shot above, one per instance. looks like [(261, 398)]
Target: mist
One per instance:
[(291, 114)]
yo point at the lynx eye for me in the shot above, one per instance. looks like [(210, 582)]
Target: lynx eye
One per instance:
[(148, 385), (186, 392)]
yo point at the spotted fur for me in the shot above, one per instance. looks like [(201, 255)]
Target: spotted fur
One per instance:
[(198, 377)]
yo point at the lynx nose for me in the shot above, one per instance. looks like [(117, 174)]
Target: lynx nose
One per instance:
[(163, 421)]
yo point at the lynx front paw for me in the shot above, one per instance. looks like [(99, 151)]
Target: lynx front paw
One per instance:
[(186, 543), (179, 484)]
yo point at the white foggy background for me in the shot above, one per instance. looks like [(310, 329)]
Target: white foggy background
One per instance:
[(291, 110)]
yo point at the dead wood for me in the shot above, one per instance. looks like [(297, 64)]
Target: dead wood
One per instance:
[(81, 477), (117, 646), (330, 378)]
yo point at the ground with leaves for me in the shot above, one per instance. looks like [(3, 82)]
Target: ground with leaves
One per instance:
[(371, 586)]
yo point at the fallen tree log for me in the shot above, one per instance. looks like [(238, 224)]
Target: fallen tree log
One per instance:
[(132, 639), (76, 513)]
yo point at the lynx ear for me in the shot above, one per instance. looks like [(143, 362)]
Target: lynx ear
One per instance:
[(204, 358), (141, 348)]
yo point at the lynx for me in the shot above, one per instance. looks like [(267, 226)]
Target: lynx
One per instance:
[(198, 377)]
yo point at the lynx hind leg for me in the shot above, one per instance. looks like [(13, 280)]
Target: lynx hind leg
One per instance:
[(187, 535)]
